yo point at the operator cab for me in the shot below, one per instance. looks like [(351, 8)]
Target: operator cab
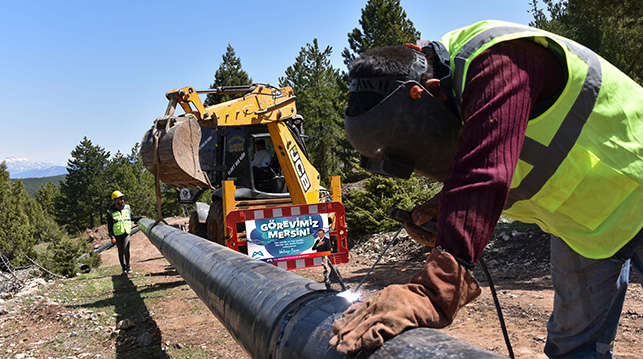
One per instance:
[(238, 161), (227, 153)]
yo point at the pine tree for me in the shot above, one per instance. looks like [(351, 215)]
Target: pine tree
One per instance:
[(23, 223), (320, 100), (46, 195), (128, 175), (229, 73), (84, 191), (611, 28), (321, 94), (143, 195), (367, 210), (383, 23), (62, 256), (16, 232), (43, 226)]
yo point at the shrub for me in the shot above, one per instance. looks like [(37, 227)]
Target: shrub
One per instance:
[(61, 256), (367, 211), (93, 260)]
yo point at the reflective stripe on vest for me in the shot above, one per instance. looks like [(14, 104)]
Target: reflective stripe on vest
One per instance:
[(122, 221), (573, 178), (567, 134)]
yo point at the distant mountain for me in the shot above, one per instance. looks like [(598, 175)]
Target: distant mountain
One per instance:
[(25, 168), (47, 172)]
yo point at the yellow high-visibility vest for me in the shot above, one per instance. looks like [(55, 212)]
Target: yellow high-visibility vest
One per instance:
[(580, 172), (122, 220)]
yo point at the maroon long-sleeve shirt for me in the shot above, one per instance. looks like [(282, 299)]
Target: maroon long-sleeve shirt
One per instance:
[(503, 85)]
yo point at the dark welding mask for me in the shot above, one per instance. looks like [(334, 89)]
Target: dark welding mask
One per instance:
[(408, 131)]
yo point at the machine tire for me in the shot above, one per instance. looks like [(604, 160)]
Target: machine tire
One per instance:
[(215, 222), (197, 228)]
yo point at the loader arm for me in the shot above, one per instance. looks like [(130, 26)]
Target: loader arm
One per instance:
[(258, 104), (272, 107)]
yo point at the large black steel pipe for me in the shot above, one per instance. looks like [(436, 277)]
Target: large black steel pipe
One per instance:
[(277, 314)]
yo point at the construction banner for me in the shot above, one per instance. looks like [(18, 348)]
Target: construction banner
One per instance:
[(288, 238)]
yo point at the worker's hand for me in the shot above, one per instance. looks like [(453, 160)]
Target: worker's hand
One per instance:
[(431, 299), (421, 214), (428, 239), (426, 211), (113, 240)]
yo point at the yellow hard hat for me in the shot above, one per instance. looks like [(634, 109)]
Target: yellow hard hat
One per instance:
[(117, 194)]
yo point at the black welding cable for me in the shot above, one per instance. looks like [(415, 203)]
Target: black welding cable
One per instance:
[(498, 309)]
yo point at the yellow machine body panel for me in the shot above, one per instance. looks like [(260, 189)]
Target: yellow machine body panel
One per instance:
[(301, 177)]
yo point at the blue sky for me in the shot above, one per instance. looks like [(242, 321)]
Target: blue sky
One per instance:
[(101, 69)]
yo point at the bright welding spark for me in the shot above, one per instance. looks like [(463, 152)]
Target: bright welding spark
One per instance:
[(349, 295)]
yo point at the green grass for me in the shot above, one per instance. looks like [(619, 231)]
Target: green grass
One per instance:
[(190, 351), (67, 331), (107, 297)]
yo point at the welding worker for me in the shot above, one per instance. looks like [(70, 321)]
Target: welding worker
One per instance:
[(119, 225), (513, 120)]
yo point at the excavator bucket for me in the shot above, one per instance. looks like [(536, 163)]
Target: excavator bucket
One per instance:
[(170, 150)]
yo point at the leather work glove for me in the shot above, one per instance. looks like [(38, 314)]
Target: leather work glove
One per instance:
[(431, 299), (113, 240), (422, 214)]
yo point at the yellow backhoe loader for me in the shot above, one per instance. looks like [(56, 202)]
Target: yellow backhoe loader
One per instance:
[(272, 211)]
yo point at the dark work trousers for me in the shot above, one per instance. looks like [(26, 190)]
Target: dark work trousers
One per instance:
[(588, 301), (122, 243)]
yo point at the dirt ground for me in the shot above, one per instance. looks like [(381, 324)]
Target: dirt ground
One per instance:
[(523, 285), (517, 259)]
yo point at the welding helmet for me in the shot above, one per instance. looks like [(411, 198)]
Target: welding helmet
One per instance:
[(117, 194), (408, 131)]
